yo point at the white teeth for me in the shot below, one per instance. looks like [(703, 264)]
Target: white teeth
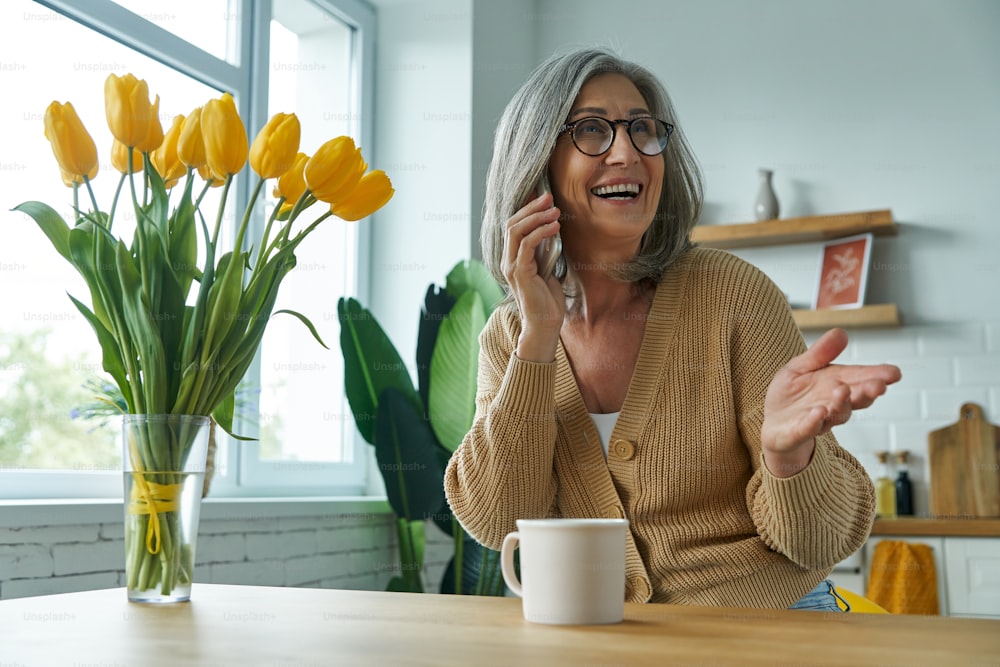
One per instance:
[(621, 188)]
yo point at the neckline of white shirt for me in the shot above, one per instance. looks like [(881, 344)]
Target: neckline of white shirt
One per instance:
[(605, 423)]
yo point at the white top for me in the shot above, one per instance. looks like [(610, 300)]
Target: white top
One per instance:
[(605, 423)]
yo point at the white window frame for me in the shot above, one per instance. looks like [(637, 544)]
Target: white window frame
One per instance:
[(240, 472)]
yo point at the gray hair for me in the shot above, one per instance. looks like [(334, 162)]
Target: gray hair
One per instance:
[(526, 136)]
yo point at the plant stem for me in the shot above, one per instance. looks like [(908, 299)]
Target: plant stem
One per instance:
[(140, 232), (114, 202), (483, 572), (238, 245), (222, 207), (93, 199), (204, 191), (458, 535), (267, 230)]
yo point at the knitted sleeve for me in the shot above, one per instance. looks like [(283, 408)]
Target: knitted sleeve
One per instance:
[(503, 470), (825, 512)]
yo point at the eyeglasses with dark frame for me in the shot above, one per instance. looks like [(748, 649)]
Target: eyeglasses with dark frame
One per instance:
[(594, 135)]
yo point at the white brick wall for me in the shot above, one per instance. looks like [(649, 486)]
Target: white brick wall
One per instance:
[(943, 367), (271, 548)]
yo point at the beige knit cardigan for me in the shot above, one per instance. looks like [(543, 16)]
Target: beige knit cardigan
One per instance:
[(709, 525)]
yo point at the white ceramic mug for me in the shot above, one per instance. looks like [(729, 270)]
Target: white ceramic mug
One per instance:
[(572, 570)]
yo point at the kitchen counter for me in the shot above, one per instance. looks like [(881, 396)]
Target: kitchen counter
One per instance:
[(935, 527)]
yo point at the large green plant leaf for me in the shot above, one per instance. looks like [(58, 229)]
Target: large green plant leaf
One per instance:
[(371, 365), (407, 458), (472, 275), (454, 367), (480, 570), (437, 304), (412, 541)]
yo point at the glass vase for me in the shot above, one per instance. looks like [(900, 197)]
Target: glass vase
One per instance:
[(164, 470)]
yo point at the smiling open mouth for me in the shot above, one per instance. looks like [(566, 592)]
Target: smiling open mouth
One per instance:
[(620, 192)]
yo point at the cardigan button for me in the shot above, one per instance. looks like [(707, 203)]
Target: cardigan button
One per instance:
[(622, 449), (614, 512), (640, 588)]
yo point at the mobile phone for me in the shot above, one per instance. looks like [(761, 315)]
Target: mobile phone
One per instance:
[(548, 251)]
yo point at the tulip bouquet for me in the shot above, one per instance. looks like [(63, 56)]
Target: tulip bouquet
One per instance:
[(177, 337)]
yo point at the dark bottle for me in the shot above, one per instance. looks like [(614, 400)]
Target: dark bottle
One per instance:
[(904, 489)]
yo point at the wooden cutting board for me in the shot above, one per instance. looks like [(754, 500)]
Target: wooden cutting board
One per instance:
[(965, 466)]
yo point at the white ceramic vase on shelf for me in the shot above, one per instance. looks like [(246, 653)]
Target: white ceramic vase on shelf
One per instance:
[(766, 206)]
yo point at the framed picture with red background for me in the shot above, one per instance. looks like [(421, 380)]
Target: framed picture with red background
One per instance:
[(843, 272)]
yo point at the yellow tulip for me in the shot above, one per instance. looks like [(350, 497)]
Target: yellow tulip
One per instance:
[(206, 173), (226, 145), (119, 158), (334, 170), (190, 144), (69, 179), (292, 183), (72, 145), (154, 133), (133, 120), (165, 159), (373, 191), (273, 151)]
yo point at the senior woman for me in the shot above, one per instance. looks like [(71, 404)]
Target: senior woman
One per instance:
[(649, 379)]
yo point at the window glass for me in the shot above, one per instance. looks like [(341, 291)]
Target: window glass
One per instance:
[(211, 25), (303, 415), (52, 417), (50, 366)]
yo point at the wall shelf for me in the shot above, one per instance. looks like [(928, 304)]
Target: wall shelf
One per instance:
[(795, 230), (865, 317), (812, 228)]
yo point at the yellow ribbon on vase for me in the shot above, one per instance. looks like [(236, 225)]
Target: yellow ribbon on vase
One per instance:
[(150, 498)]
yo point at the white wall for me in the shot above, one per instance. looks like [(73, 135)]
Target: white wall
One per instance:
[(423, 83), (503, 55), (856, 105)]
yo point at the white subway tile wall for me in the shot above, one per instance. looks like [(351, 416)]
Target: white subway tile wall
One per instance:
[(944, 366)]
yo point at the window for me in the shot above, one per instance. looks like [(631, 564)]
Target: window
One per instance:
[(311, 57)]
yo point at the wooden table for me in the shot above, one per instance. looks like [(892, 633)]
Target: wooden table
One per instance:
[(250, 625)]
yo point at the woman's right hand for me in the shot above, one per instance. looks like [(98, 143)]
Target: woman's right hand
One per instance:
[(540, 302)]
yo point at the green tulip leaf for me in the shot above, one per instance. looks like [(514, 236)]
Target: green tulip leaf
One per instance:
[(148, 345), (305, 320), (454, 368), (183, 241), (51, 224), (112, 359)]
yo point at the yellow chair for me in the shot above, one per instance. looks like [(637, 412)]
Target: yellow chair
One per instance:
[(859, 604)]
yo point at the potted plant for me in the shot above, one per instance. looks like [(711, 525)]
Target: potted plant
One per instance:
[(414, 430), (177, 334)]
